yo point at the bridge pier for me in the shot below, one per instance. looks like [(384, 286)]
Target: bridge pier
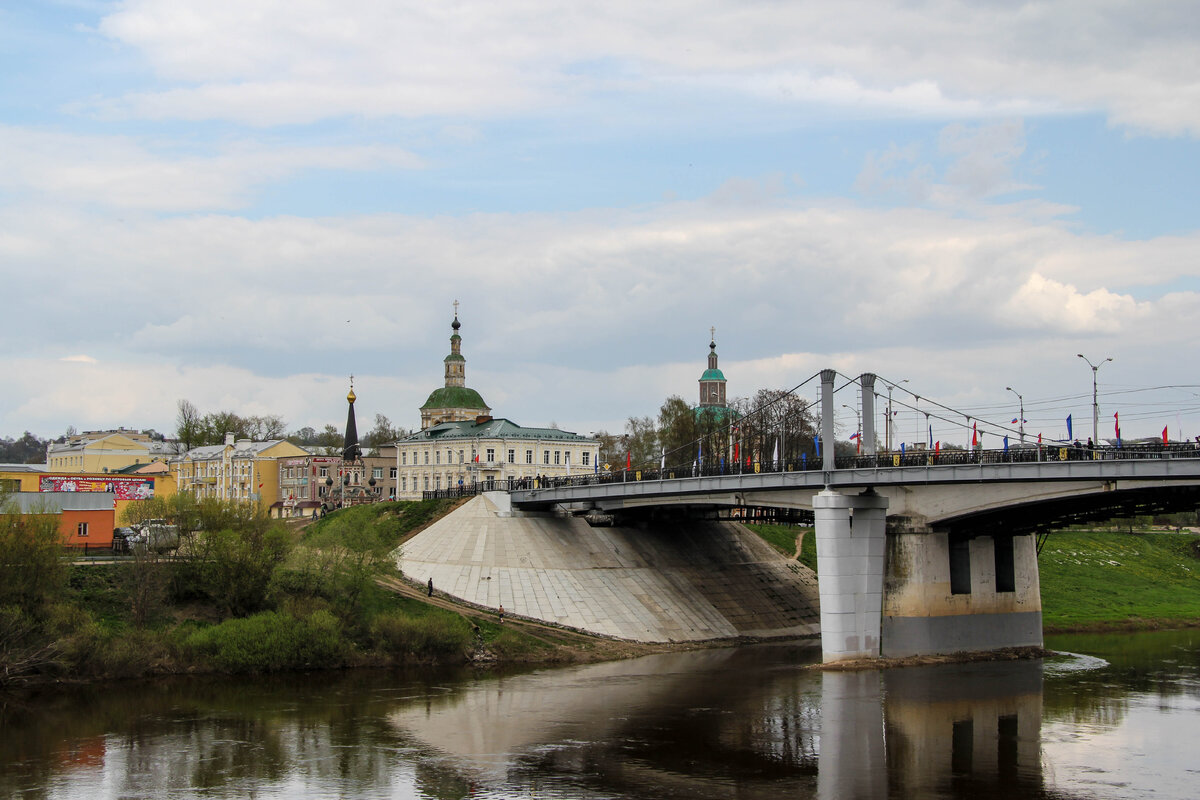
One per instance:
[(851, 546), (949, 592)]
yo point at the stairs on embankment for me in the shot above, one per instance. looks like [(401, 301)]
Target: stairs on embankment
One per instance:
[(676, 580)]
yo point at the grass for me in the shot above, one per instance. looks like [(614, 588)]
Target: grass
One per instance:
[(1094, 578), (388, 523), (783, 539)]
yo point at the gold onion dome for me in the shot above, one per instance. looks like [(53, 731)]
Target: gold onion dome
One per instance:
[(351, 397)]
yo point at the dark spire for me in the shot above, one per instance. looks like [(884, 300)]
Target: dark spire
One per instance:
[(350, 449)]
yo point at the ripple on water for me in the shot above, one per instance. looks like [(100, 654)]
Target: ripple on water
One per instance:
[(1069, 663)]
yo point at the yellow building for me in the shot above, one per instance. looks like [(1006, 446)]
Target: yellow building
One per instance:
[(101, 452), (236, 470)]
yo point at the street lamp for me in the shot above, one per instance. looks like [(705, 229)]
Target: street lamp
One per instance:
[(1021, 419), (1095, 402), (858, 430), (888, 426)]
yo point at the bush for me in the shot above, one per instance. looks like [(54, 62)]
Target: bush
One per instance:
[(271, 641), (432, 638)]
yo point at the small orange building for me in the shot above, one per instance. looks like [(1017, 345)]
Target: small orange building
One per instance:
[(84, 517)]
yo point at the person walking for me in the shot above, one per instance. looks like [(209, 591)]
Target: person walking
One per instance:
[(502, 613), (431, 587)]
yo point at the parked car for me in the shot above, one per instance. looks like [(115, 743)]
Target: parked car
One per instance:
[(121, 537)]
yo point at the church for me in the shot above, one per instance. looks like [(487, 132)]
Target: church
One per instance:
[(461, 444)]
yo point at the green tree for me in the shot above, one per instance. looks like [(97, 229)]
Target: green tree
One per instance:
[(188, 425), (678, 431), (641, 442), (32, 568)]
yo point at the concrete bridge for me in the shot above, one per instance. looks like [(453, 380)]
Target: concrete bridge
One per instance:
[(920, 554)]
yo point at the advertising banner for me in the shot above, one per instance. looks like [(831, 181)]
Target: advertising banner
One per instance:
[(123, 488)]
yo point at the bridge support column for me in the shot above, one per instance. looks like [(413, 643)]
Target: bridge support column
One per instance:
[(851, 543), (954, 592)]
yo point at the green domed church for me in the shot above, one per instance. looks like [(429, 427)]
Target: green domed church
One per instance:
[(454, 402)]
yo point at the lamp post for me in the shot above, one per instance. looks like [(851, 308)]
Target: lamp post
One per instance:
[(1095, 402), (1020, 419), (888, 426), (858, 430)]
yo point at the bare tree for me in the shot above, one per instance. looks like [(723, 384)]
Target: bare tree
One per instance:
[(188, 426)]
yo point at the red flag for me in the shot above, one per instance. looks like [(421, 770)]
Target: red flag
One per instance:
[(1165, 434), (975, 435), (937, 447), (735, 452), (1117, 424), (1039, 438), (628, 460)]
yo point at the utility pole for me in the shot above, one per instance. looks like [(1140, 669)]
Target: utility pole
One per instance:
[(1095, 401), (1020, 419)]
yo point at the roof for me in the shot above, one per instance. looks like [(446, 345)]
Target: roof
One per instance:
[(720, 414), (22, 467), (499, 428), (243, 448), (454, 397), (712, 375), (57, 502)]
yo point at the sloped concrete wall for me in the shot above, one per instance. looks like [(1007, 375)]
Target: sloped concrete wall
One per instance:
[(685, 580)]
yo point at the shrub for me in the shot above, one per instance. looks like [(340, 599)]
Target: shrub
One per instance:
[(431, 637), (271, 641)]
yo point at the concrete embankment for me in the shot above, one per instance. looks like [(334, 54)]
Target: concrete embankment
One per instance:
[(683, 580)]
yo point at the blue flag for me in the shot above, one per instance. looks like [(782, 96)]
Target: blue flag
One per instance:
[(930, 437), (1069, 436), (817, 443), (902, 448), (1006, 444)]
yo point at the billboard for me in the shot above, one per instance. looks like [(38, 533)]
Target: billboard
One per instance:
[(123, 488)]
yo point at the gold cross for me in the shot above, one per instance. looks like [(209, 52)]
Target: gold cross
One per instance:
[(455, 308), (712, 332)]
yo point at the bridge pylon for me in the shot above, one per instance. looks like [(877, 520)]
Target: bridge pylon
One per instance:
[(851, 535)]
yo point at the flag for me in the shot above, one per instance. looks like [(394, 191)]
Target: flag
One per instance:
[(1006, 444), (628, 460), (1015, 421), (1039, 440), (854, 436), (1117, 424), (975, 434), (930, 437), (596, 465), (662, 462), (736, 454), (1069, 436), (902, 448), (804, 460), (775, 456), (817, 444), (1164, 434), (937, 447), (700, 455)]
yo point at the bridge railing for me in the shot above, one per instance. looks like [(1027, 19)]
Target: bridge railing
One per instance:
[(897, 459)]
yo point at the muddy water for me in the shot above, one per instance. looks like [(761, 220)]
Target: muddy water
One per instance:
[(1117, 719)]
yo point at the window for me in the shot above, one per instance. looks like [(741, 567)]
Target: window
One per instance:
[(567, 457), (557, 457), (528, 456), (512, 456), (586, 458), (461, 456), (491, 454), (545, 456), (427, 483), (437, 456), (404, 484), (81, 529), (404, 458), (324, 472), (377, 472), (437, 481), (392, 473), (426, 457), (449, 456)]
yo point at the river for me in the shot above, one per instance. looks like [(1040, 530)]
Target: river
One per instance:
[(1117, 718)]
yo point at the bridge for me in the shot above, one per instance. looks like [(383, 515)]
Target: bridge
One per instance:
[(917, 552)]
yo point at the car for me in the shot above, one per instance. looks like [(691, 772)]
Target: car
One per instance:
[(120, 539)]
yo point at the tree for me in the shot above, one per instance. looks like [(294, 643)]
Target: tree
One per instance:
[(265, 428), (611, 451), (330, 441), (641, 442), (32, 569), (678, 432), (383, 433), (29, 449), (188, 425), (219, 423), (304, 436)]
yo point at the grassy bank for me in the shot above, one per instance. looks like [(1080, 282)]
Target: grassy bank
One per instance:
[(1091, 580), (242, 594)]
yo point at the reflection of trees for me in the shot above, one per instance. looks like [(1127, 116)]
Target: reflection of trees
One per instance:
[(1148, 662)]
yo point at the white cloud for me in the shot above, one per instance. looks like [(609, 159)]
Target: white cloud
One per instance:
[(583, 318), (271, 62), (129, 173)]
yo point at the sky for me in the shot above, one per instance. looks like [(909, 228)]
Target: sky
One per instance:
[(244, 202)]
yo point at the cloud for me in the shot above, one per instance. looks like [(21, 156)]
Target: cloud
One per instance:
[(134, 173), (82, 359), (584, 318), (274, 62)]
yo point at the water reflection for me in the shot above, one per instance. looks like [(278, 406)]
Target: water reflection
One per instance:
[(746, 723)]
